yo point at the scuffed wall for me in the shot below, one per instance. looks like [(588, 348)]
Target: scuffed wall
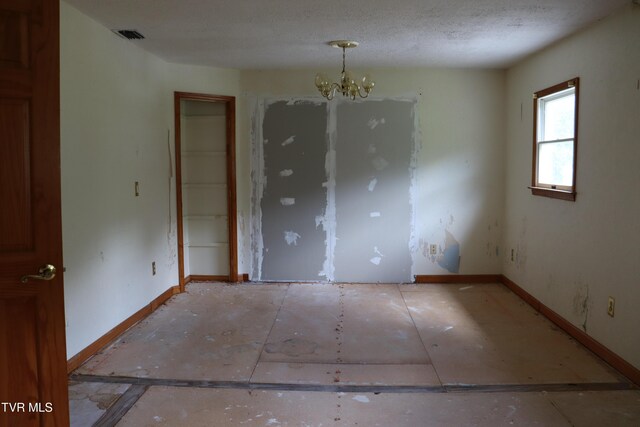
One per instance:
[(458, 172), (573, 255), (116, 129)]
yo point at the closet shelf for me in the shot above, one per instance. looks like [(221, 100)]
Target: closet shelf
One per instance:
[(202, 115), (207, 245), (203, 185), (203, 153), (204, 217)]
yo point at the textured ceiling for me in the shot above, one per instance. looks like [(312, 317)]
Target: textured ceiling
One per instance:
[(255, 34)]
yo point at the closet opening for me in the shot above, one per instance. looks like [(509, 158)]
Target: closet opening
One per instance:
[(206, 187)]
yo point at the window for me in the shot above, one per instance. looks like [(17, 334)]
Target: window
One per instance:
[(555, 141)]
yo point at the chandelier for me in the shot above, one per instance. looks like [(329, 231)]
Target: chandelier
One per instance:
[(347, 85)]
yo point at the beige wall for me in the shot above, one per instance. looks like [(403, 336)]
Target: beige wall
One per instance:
[(117, 128), (574, 255), (460, 164), (472, 172)]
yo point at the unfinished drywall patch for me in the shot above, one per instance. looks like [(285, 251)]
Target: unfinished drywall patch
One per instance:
[(449, 259), (301, 147), (294, 143), (375, 144), (328, 220)]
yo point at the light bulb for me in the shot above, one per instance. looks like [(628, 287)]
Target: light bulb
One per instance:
[(321, 80), (368, 83)]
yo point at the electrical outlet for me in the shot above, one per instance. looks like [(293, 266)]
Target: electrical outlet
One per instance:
[(153, 268), (433, 249), (137, 188), (611, 306)]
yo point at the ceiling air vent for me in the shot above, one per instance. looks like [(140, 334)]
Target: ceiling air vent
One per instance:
[(129, 34)]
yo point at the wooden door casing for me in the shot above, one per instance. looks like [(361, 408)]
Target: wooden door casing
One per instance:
[(230, 113)]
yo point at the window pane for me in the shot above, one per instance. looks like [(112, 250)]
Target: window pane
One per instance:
[(558, 118), (555, 163)]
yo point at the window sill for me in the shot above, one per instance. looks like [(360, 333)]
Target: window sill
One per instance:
[(554, 194)]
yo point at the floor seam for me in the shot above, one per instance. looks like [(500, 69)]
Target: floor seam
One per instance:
[(269, 333), (119, 409), (345, 388), (419, 336), (301, 362), (557, 408)]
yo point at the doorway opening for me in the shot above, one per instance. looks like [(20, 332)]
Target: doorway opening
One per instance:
[(206, 187)]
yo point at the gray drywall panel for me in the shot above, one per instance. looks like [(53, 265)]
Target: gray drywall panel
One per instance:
[(294, 137), (375, 142)]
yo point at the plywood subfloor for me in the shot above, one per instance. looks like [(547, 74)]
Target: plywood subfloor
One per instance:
[(319, 353)]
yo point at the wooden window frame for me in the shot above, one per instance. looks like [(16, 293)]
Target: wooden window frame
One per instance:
[(551, 191)]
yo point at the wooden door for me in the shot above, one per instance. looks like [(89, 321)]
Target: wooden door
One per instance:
[(33, 380)]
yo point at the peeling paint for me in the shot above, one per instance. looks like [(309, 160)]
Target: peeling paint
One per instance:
[(450, 257), (286, 172), (374, 214), (371, 149), (307, 101), (291, 237), (372, 184)]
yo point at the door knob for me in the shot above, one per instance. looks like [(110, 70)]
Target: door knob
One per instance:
[(46, 272)]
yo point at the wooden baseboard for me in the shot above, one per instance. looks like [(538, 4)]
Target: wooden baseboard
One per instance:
[(215, 278), (109, 337), (458, 278), (624, 367), (205, 278)]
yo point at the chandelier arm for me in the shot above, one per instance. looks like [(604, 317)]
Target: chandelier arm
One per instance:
[(334, 88)]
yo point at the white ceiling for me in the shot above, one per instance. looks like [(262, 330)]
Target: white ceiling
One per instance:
[(255, 34)]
